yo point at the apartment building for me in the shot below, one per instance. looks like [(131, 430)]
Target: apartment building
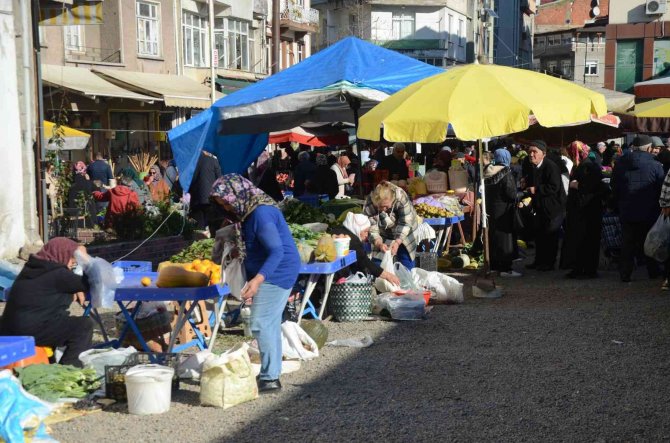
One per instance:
[(435, 32)]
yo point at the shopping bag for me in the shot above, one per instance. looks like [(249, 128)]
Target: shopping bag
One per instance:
[(99, 358), (444, 289), (410, 306), (657, 243), (405, 277), (296, 343), (228, 379), (382, 285)]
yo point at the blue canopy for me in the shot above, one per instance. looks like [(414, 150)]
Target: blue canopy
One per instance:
[(348, 77)]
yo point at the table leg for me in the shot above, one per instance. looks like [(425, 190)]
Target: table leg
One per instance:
[(219, 306), (448, 239), (311, 284), (130, 323), (183, 315), (438, 240), (329, 283)]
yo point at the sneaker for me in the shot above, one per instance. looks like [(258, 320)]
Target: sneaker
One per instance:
[(268, 385), (510, 274), (666, 285)]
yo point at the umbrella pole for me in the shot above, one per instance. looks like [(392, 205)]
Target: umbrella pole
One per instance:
[(355, 105), (485, 226)]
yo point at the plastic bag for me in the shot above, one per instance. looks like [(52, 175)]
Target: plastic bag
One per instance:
[(102, 277), (192, 366), (20, 410), (405, 277), (410, 306), (235, 277), (296, 343), (99, 358), (362, 342), (382, 285), (657, 243), (444, 288), (228, 380), (358, 277)]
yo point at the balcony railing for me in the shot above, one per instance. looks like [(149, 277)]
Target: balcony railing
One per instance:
[(299, 14), (94, 55)]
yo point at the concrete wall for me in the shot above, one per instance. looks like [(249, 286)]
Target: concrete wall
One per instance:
[(632, 11)]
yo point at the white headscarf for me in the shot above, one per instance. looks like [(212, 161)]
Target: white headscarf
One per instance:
[(356, 223)]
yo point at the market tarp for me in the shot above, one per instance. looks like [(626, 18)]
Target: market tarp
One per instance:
[(616, 101), (479, 101), (657, 88), (318, 135), (321, 88), (72, 139), (176, 90), (649, 117)]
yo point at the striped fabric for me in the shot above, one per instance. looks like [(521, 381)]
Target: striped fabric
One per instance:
[(81, 12)]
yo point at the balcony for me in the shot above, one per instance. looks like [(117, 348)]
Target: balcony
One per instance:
[(295, 17), (93, 55)]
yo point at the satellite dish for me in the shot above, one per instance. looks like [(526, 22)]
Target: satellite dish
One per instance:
[(595, 12)]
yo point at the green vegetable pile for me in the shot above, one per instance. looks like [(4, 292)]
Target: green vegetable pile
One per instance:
[(299, 213), (302, 234), (201, 249), (52, 382)]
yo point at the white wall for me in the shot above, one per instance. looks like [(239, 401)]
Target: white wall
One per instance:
[(632, 11), (12, 233)]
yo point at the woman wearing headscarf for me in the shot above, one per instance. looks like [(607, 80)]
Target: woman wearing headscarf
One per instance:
[(81, 185), (357, 227), (324, 180), (394, 223), (581, 248), (343, 177), (266, 177), (136, 184), (271, 261), (501, 197), (159, 190), (41, 296)]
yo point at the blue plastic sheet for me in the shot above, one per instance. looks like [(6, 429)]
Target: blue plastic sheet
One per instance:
[(17, 407)]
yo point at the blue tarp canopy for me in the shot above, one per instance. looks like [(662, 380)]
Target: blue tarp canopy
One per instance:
[(326, 87)]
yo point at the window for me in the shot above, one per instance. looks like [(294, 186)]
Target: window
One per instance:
[(148, 28), (440, 62), (353, 24), (231, 39), (566, 68), (591, 68), (403, 25), (301, 51), (551, 66), (74, 38), (540, 41), (553, 40), (461, 33), (567, 39), (195, 36)]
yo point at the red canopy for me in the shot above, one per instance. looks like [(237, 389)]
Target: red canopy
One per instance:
[(325, 135)]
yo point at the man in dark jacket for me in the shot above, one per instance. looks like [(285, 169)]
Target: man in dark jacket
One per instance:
[(100, 170), (206, 172), (395, 163), (636, 186), (303, 172), (548, 200)]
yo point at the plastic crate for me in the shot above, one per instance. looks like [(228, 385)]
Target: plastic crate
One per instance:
[(170, 359), (133, 266), (115, 380), (426, 261)]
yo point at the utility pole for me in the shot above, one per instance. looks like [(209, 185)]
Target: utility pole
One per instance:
[(491, 20), (275, 36), (212, 73)]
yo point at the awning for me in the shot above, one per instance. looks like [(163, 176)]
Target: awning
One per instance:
[(176, 90), (229, 85), (616, 101), (75, 12), (658, 88), (318, 134), (83, 81), (72, 138), (409, 44)]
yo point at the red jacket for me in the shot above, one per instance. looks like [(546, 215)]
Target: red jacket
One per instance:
[(121, 200)]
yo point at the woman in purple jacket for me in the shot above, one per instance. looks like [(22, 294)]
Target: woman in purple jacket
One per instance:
[(271, 262)]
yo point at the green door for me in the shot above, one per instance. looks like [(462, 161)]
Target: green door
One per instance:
[(628, 64)]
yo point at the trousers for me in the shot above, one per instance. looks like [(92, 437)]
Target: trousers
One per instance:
[(633, 236), (266, 316), (547, 231), (75, 333)]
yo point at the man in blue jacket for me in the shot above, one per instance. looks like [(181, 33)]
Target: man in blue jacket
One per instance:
[(100, 170), (636, 184)]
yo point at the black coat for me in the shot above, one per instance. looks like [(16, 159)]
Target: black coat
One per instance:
[(80, 184), (395, 167), (549, 198), (500, 197), (41, 295), (206, 172), (636, 185), (363, 262), (325, 182)]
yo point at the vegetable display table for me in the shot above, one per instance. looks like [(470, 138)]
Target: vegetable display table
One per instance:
[(131, 290), (444, 227), (315, 271), (13, 349)]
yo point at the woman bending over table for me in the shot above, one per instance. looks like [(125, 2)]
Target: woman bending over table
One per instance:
[(271, 261), (41, 296), (394, 222)]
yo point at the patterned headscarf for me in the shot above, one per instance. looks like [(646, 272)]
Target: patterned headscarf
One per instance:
[(80, 168), (578, 149), (157, 176), (58, 250), (240, 194)]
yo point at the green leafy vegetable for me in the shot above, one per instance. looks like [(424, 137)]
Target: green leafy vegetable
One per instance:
[(52, 382), (201, 249)]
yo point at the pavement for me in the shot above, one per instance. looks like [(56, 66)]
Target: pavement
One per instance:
[(552, 360)]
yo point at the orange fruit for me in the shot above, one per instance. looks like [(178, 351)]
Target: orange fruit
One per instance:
[(196, 262), (146, 281)]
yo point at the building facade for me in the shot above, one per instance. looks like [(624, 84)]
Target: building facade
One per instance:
[(435, 32), (514, 29), (638, 43)]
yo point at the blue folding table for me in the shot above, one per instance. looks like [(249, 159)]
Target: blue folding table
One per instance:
[(315, 271), (443, 227)]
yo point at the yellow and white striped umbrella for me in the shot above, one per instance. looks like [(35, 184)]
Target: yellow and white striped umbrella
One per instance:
[(80, 12)]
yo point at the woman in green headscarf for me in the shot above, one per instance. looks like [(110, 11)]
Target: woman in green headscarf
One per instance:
[(130, 178)]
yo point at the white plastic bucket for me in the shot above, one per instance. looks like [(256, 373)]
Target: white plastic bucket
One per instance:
[(149, 389), (341, 246)]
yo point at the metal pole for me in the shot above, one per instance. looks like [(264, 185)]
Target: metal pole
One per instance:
[(491, 34), (40, 152), (275, 36), (212, 74)]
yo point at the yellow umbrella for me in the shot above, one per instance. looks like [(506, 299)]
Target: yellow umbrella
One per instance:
[(648, 117), (73, 139), (479, 101), (659, 108)]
